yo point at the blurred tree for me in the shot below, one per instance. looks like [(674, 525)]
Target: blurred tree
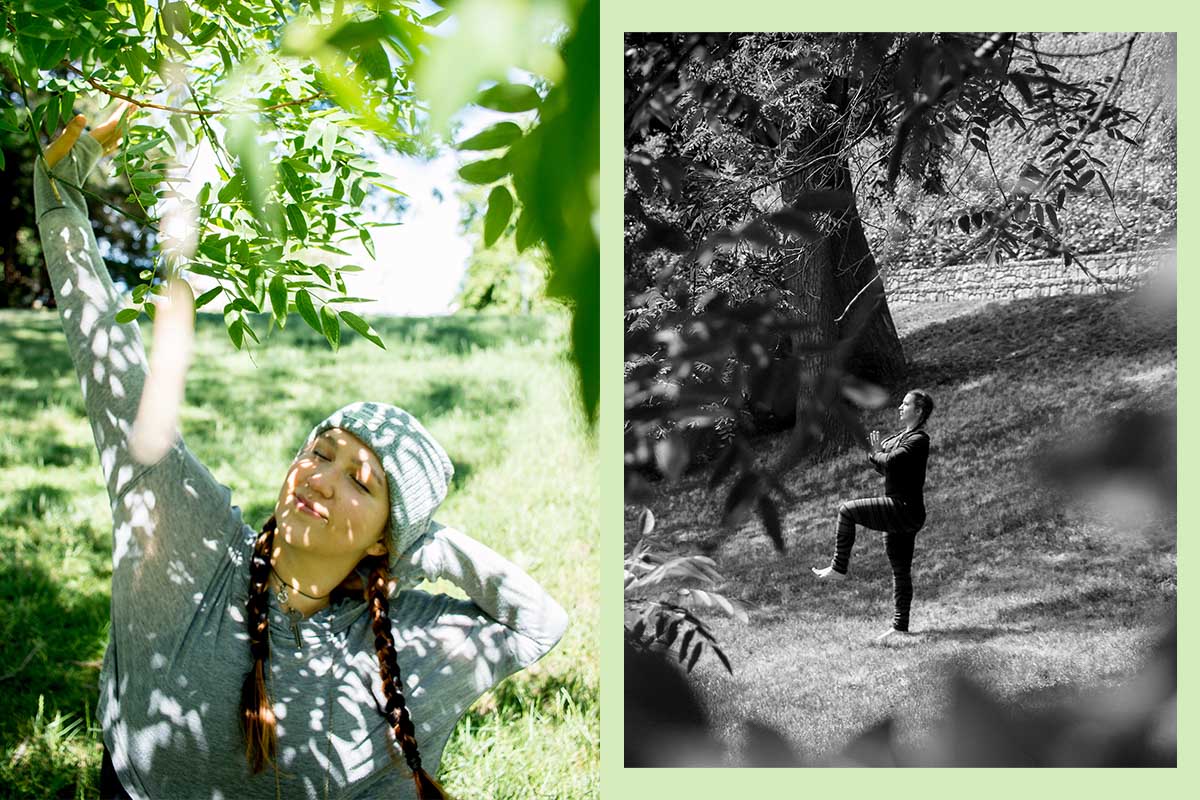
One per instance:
[(25, 283), (498, 276)]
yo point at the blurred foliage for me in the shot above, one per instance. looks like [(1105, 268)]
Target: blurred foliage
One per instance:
[(284, 97), (666, 595), (1134, 725), (498, 277)]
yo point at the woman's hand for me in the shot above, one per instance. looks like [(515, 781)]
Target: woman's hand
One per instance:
[(875, 438), (107, 134)]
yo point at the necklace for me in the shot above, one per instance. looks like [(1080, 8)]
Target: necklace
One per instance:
[(294, 617), (282, 594)]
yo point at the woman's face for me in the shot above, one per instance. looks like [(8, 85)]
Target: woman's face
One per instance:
[(910, 412), (334, 500)]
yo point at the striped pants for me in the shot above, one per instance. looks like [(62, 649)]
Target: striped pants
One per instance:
[(899, 522)]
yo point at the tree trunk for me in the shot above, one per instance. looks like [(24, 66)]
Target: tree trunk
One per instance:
[(877, 356), (824, 278)]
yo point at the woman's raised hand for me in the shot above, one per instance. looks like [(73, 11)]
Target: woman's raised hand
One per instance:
[(107, 134), (875, 438)]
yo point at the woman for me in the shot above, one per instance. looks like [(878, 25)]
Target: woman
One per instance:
[(295, 661), (900, 513)]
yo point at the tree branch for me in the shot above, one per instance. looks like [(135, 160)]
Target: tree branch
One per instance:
[(95, 84)]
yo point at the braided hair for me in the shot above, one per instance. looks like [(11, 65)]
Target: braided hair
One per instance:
[(258, 716), (396, 709)]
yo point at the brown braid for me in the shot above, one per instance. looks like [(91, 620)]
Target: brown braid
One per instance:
[(258, 716), (396, 709)]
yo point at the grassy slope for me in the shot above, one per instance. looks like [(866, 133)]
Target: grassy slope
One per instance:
[(1037, 596), (495, 391)]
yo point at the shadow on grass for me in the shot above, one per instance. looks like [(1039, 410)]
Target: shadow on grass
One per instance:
[(1098, 606), (34, 503), (49, 633), (1034, 335), (39, 353), (968, 634)]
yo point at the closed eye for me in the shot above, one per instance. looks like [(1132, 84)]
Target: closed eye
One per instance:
[(362, 485)]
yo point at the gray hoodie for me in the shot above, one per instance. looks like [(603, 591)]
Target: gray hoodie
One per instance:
[(178, 652)]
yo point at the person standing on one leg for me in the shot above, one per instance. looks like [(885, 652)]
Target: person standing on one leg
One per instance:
[(900, 513)]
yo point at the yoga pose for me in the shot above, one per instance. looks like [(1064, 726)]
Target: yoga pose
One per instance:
[(297, 660), (900, 513)]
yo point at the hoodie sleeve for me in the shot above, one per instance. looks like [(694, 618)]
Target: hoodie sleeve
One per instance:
[(170, 518), (109, 358), (527, 620)]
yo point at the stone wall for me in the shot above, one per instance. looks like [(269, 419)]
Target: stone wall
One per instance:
[(914, 283)]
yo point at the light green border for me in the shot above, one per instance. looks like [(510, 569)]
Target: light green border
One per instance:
[(618, 16)]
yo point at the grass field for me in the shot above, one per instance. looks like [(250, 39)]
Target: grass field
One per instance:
[(497, 392), (1036, 592)]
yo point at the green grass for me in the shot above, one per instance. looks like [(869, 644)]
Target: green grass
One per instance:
[(1036, 593), (498, 394)]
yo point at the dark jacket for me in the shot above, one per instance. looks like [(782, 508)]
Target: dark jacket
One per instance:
[(902, 464)]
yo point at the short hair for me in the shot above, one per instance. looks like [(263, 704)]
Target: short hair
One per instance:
[(924, 402)]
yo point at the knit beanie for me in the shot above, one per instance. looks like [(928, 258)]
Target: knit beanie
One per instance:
[(417, 468)]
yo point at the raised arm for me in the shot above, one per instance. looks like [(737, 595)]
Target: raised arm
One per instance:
[(532, 620), (109, 358), (172, 521)]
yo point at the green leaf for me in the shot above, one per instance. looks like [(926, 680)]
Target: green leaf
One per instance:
[(296, 218), (328, 140), (236, 333), (526, 234), (368, 243), (510, 98), (313, 134), (501, 134), (207, 297), (131, 60), (375, 61), (500, 208), (489, 170), (361, 327), (291, 181), (127, 315), (257, 166), (240, 304), (332, 331), (55, 50), (304, 305), (279, 304)]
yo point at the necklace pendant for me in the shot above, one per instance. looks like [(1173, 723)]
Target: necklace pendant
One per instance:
[(281, 596), (294, 618)]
